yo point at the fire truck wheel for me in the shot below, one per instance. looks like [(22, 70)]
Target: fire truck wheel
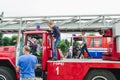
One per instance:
[(5, 74), (100, 75)]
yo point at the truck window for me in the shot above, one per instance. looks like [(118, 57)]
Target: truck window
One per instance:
[(34, 41), (96, 43)]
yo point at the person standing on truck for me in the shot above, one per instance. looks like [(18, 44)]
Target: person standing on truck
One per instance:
[(27, 64), (56, 37), (83, 46)]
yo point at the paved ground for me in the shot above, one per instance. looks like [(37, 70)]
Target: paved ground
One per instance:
[(38, 79)]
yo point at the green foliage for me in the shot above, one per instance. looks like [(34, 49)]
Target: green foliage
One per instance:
[(1, 35), (6, 41), (64, 45), (76, 44), (92, 34), (13, 39)]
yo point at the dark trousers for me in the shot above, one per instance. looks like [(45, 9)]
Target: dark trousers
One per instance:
[(84, 48), (55, 47)]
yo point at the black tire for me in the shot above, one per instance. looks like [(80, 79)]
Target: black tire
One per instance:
[(6, 74), (100, 75)]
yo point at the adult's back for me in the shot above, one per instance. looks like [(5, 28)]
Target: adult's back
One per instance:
[(27, 64)]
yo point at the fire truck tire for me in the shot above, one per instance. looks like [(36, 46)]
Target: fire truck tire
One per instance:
[(100, 75), (5, 74)]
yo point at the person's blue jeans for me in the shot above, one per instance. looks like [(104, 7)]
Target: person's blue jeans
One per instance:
[(55, 44), (84, 48)]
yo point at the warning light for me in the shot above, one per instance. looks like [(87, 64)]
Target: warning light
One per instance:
[(38, 27), (73, 34)]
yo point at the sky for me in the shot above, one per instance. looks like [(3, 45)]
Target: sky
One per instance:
[(58, 7)]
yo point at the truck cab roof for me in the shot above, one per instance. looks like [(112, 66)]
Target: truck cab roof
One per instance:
[(35, 32)]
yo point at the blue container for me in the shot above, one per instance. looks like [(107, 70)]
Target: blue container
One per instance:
[(96, 54)]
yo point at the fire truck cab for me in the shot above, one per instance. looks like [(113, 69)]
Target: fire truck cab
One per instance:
[(8, 54)]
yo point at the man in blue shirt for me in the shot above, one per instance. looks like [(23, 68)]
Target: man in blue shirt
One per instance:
[(56, 37), (27, 64)]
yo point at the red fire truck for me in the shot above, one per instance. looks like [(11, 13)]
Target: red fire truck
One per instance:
[(107, 68)]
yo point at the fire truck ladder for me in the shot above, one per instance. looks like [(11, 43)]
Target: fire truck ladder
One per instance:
[(67, 23)]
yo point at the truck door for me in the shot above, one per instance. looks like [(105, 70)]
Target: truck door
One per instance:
[(35, 42)]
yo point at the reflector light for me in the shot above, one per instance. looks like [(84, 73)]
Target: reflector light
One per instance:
[(73, 34)]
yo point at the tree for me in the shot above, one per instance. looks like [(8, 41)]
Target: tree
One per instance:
[(6, 41), (64, 45), (13, 39), (92, 34), (76, 44), (1, 35)]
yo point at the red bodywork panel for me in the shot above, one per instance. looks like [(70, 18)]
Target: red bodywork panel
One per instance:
[(112, 52), (8, 53), (75, 69)]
